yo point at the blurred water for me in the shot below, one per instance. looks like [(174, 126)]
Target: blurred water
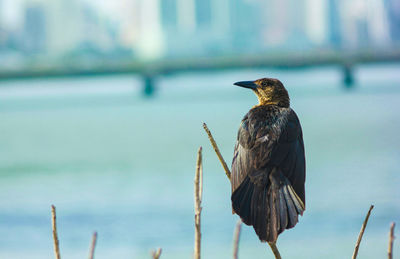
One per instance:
[(123, 165)]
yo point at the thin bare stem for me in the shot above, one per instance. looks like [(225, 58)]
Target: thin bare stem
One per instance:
[(391, 240), (198, 193), (364, 225), (236, 238), (275, 250), (93, 245), (216, 149), (156, 254), (55, 237)]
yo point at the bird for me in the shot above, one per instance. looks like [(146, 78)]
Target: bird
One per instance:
[(268, 167)]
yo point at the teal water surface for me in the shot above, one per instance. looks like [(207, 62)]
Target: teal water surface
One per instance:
[(123, 165)]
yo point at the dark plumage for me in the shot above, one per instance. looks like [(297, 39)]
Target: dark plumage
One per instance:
[(268, 167)]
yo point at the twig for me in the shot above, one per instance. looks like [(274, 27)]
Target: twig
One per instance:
[(93, 245), (391, 239), (364, 225), (55, 237), (198, 195), (156, 254), (275, 250), (273, 246), (216, 149), (236, 237)]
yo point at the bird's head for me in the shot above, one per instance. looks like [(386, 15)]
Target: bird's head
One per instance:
[(268, 91)]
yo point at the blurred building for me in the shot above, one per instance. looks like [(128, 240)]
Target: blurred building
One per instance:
[(136, 27), (364, 24), (154, 29), (1, 18), (285, 24), (34, 30), (64, 27), (195, 27), (334, 33), (316, 21), (393, 7), (246, 19), (150, 41), (2, 31), (128, 31)]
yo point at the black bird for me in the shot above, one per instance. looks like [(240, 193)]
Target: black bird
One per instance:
[(268, 167)]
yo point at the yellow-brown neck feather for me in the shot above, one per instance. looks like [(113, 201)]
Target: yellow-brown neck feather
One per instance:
[(267, 97)]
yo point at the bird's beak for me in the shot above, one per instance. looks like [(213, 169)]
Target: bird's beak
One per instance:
[(247, 84)]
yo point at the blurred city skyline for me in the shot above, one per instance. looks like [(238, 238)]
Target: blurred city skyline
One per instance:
[(162, 29)]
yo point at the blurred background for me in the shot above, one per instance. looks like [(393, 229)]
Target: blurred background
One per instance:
[(101, 111)]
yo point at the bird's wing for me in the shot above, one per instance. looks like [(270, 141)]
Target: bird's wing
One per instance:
[(288, 155), (256, 139), (241, 155), (265, 141)]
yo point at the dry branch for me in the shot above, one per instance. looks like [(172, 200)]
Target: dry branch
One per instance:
[(275, 250), (55, 237), (364, 225), (216, 149), (156, 254), (273, 246), (236, 237), (391, 240), (198, 195), (93, 245)]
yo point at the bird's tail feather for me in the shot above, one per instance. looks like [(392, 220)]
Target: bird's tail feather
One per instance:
[(270, 209), (241, 201)]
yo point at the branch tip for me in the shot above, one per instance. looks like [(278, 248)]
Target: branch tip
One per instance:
[(55, 236), (364, 225), (391, 240)]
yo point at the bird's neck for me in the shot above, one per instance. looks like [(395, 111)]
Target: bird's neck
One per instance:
[(282, 101)]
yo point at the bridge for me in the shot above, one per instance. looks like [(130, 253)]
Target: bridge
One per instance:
[(152, 70)]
